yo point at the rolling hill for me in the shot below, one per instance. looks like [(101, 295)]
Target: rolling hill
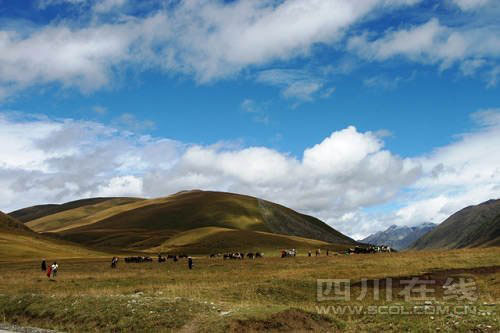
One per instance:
[(8, 223), (210, 219), (86, 212), (474, 226), (18, 241), (36, 212)]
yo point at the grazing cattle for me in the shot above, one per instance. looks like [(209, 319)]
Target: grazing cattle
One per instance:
[(288, 253), (161, 258), (235, 255), (368, 249), (132, 259), (138, 259), (240, 255), (386, 249)]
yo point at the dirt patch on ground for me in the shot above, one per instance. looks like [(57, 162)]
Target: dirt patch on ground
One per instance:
[(475, 270), (438, 276), (291, 320), (7, 328)]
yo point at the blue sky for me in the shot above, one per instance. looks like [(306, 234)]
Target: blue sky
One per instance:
[(365, 115)]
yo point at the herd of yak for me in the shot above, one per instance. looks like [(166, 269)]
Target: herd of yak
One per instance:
[(369, 249), (237, 255), (176, 257), (253, 255), (161, 258)]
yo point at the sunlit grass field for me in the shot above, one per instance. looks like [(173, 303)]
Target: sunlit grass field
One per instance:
[(263, 294)]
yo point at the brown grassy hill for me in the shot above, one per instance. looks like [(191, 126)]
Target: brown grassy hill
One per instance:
[(19, 242), (71, 218), (473, 226), (161, 219), (35, 212), (9, 223)]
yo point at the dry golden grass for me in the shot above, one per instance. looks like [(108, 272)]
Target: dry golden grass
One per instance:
[(218, 295), (26, 246)]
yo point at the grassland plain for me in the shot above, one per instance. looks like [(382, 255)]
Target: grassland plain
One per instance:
[(269, 294)]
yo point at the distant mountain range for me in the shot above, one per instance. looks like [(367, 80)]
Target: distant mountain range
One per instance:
[(399, 237), (473, 226)]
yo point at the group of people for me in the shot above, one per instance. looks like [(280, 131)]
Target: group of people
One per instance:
[(51, 270)]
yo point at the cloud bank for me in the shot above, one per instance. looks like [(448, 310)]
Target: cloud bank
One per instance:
[(338, 179)]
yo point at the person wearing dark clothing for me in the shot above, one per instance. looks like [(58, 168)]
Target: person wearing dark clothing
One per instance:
[(190, 263), (113, 262), (309, 254), (44, 265)]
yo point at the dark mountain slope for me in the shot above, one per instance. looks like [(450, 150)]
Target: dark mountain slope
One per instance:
[(470, 227)]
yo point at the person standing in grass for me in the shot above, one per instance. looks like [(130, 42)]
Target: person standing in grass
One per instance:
[(114, 261), (49, 272), (190, 262), (44, 265), (54, 269)]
